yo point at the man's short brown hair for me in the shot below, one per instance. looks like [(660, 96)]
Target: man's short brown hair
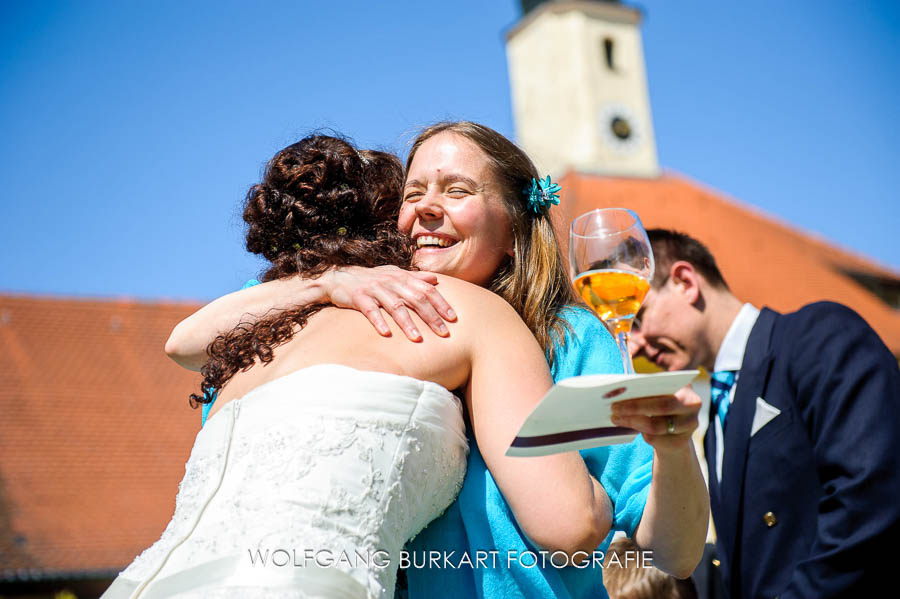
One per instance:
[(671, 246)]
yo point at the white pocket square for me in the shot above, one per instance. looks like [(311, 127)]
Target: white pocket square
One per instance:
[(765, 413)]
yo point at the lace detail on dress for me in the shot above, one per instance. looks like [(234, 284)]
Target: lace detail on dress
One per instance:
[(200, 478), (254, 592), (312, 476)]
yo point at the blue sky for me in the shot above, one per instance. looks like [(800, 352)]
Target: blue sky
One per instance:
[(131, 130)]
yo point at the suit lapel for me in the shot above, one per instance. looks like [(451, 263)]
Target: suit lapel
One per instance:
[(709, 449), (723, 531), (750, 385)]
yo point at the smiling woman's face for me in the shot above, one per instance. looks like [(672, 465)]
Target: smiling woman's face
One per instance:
[(452, 207)]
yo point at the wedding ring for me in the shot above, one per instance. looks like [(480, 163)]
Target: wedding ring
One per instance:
[(670, 425)]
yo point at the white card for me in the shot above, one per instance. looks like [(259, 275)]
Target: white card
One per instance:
[(575, 413)]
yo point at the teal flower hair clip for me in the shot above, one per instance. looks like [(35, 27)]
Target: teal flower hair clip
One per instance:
[(542, 193)]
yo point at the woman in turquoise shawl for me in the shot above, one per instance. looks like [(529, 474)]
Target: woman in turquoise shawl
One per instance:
[(478, 210)]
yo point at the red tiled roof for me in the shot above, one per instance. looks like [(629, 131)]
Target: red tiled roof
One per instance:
[(764, 261), (95, 432)]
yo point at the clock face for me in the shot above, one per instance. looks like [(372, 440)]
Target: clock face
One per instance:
[(619, 129)]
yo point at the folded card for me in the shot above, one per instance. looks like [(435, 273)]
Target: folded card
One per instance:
[(575, 413)]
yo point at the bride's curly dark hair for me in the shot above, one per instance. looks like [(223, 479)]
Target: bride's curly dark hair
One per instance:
[(321, 204)]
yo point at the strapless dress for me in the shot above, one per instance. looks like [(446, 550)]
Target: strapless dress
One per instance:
[(307, 487)]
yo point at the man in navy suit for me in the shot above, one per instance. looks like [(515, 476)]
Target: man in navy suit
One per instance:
[(803, 444)]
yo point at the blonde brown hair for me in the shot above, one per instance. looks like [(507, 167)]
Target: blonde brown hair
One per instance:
[(637, 581), (535, 280)]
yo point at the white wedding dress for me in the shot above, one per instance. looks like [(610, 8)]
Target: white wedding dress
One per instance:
[(308, 486)]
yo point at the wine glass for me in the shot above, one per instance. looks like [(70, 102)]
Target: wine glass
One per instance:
[(612, 264)]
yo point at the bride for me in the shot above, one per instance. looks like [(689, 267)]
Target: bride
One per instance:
[(319, 463)]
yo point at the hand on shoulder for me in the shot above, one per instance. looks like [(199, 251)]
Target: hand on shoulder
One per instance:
[(394, 290)]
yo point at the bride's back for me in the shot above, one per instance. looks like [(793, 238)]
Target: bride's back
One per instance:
[(347, 338)]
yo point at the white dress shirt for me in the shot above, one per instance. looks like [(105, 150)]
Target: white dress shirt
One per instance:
[(731, 357)]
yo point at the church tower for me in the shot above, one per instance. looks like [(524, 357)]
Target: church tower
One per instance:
[(579, 88)]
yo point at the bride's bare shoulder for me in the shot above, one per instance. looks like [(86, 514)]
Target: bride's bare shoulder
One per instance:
[(466, 298)]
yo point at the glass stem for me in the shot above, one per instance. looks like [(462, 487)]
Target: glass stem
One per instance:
[(622, 342)]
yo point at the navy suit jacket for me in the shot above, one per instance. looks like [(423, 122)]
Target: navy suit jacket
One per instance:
[(809, 506)]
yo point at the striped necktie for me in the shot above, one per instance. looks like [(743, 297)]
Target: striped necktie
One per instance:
[(720, 385)]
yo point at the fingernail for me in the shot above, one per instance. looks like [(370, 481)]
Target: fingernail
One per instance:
[(443, 328), (451, 314)]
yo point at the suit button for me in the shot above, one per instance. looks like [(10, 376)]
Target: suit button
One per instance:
[(770, 519)]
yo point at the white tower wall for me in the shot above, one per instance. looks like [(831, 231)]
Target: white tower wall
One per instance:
[(566, 97)]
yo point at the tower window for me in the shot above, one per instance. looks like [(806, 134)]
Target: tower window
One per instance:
[(608, 55)]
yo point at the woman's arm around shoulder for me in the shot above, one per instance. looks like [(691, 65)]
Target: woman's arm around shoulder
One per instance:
[(189, 339), (367, 290)]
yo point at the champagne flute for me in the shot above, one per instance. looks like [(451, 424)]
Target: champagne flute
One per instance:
[(612, 263)]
